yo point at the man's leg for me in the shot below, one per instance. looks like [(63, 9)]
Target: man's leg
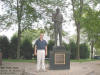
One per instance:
[(43, 60), (38, 60), (60, 34), (56, 33)]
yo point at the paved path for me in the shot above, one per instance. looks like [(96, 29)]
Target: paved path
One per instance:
[(85, 68)]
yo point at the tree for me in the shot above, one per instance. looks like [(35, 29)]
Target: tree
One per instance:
[(77, 13), (19, 10), (90, 24)]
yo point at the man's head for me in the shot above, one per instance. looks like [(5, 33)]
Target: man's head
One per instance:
[(41, 35), (57, 10)]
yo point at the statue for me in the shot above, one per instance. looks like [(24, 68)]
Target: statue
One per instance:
[(57, 18), (58, 51)]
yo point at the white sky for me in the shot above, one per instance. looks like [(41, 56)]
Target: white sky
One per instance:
[(69, 27)]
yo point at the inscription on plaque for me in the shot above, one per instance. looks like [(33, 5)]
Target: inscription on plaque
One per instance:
[(59, 58)]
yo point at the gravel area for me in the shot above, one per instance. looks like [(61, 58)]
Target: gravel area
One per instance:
[(77, 68)]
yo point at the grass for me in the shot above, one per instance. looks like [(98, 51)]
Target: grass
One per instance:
[(83, 60), (34, 60), (18, 60), (21, 60)]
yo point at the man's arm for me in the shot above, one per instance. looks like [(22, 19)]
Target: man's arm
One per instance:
[(35, 53), (52, 16), (46, 51), (61, 18)]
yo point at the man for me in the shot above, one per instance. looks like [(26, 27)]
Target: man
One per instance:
[(41, 51), (57, 18)]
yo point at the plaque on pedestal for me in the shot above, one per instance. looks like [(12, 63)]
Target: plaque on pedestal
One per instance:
[(59, 58)]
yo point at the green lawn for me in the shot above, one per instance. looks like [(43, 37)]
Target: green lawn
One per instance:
[(34, 60), (18, 60), (83, 60), (21, 60)]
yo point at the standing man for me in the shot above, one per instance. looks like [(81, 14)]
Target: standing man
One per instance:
[(57, 18), (41, 51)]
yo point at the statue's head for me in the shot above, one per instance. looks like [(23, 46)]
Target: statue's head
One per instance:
[(57, 10)]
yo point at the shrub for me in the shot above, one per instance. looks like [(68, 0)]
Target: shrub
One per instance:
[(4, 46), (73, 50), (13, 47), (84, 51), (26, 49), (50, 46)]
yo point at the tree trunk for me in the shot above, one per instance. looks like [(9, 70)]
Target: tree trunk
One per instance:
[(19, 16), (19, 41), (78, 42), (77, 23), (92, 45)]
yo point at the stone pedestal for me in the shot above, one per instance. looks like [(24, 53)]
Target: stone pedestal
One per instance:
[(0, 58), (59, 58)]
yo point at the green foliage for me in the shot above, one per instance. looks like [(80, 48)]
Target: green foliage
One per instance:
[(27, 37), (90, 24), (67, 46), (90, 21), (4, 46), (26, 49), (73, 50), (27, 11), (13, 47), (50, 46), (30, 35), (97, 46), (84, 51)]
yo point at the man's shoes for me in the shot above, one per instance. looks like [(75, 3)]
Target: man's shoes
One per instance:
[(44, 70), (38, 71), (41, 71)]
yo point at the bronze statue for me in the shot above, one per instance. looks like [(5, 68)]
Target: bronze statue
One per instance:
[(57, 18)]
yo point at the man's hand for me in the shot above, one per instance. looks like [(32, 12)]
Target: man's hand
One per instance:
[(45, 54), (35, 54), (46, 51)]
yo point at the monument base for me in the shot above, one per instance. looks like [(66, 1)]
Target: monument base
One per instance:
[(59, 58)]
